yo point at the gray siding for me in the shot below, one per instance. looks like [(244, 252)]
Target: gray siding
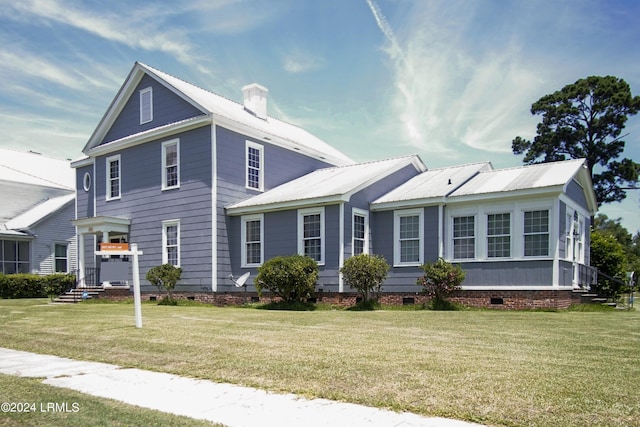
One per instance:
[(562, 230), (576, 193), (167, 108), (509, 273), (280, 166), (84, 199), (56, 228), (147, 205)]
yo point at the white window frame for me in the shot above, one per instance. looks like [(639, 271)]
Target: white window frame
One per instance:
[(548, 233), (365, 246), (397, 256), (301, 239), (475, 235), (165, 145), (165, 253), (56, 257), (260, 148), (244, 220), (109, 160), (146, 99), (489, 236)]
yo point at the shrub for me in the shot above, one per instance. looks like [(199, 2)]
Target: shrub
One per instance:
[(165, 276), (365, 273), (292, 278), (34, 286), (440, 280)]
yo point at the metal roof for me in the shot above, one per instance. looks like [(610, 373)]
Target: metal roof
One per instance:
[(270, 129), (538, 176), (432, 184), (35, 169), (39, 212), (324, 185)]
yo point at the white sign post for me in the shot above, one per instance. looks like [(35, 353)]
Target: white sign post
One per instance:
[(111, 249)]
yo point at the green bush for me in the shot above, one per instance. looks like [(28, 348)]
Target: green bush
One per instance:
[(440, 280), (292, 278), (365, 273), (34, 286), (165, 277)]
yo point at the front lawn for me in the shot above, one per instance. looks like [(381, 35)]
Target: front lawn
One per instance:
[(493, 367)]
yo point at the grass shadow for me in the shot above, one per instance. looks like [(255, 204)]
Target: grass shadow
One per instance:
[(288, 306)]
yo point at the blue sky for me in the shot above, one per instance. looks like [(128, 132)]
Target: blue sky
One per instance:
[(452, 81)]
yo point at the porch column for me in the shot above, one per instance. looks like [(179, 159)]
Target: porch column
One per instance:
[(81, 264)]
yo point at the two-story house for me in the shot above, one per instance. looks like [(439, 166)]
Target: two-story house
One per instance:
[(218, 187)]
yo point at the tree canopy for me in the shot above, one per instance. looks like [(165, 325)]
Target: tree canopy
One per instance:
[(585, 120)]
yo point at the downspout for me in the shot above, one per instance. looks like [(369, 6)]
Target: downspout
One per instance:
[(214, 211)]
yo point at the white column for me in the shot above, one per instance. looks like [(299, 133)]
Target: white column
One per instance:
[(81, 263)]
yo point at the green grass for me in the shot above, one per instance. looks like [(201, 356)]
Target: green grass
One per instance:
[(41, 404), (564, 368)]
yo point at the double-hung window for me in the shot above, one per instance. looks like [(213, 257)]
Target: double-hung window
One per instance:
[(252, 238), (499, 235), (146, 105), (61, 258), (171, 164), (536, 233), (311, 233), (464, 237), (360, 232), (113, 177), (408, 236), (255, 166), (14, 256), (171, 242)]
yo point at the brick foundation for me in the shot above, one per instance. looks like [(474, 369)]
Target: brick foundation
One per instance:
[(503, 300)]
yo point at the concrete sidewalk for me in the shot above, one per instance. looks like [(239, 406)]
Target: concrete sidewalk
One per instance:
[(228, 404)]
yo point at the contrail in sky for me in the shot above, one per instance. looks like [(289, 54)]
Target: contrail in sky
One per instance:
[(384, 26)]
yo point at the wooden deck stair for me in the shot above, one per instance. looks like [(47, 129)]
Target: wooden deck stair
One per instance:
[(78, 294)]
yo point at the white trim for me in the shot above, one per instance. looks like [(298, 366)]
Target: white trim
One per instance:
[(214, 210), (260, 168), (341, 250), (144, 119), (516, 288), (363, 213), (108, 162), (86, 182), (243, 233), (166, 144), (165, 224), (396, 236), (312, 211)]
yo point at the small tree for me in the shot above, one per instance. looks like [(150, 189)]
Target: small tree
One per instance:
[(290, 277), (365, 273), (607, 255), (440, 280), (165, 277)]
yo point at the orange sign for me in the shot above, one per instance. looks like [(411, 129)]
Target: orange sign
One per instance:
[(105, 247)]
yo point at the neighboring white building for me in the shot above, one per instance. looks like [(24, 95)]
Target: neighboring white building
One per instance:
[(38, 195)]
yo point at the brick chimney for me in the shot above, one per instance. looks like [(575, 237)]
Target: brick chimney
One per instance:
[(255, 100)]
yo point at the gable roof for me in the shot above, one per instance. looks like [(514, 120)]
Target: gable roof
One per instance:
[(553, 177), (39, 212), (221, 111), (35, 169), (328, 185), (430, 186)]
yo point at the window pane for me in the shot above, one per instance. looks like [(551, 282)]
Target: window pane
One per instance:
[(536, 222), (358, 227), (410, 251), (410, 227), (536, 233), (536, 245), (311, 226), (172, 255), (499, 235), (313, 248), (253, 167), (464, 242)]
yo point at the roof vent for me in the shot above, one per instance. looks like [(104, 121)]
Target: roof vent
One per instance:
[(255, 100)]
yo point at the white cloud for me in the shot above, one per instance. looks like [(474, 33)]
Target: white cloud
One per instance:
[(298, 61)]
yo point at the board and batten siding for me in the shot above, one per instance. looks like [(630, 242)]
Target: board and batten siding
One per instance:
[(147, 205), (280, 165), (167, 108), (55, 228)]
